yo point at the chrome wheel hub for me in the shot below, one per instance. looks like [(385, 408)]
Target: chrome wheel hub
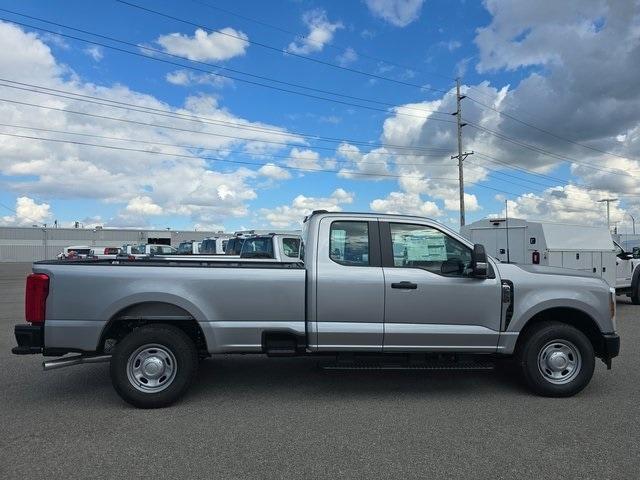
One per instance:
[(559, 362), (151, 368)]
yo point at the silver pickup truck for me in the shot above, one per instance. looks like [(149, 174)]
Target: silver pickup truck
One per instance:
[(373, 292)]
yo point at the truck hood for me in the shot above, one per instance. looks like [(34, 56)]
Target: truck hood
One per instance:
[(506, 268)]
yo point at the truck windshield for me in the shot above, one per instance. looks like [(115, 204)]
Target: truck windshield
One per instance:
[(257, 247), (208, 246), (234, 247), (291, 247), (138, 249), (184, 248)]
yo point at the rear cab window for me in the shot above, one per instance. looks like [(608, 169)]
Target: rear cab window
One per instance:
[(349, 243), (291, 247)]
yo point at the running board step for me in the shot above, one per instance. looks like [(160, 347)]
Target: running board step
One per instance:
[(424, 366)]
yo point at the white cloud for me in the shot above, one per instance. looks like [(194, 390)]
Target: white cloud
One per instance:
[(397, 12), (143, 205), (564, 204), (28, 212), (186, 78), (321, 32), (274, 172), (202, 46), (207, 192), (292, 215), (94, 52), (405, 204), (347, 57), (303, 159), (364, 166)]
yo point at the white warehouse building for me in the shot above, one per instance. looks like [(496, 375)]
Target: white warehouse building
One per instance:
[(29, 244)]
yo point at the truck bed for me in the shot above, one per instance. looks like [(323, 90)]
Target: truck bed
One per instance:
[(233, 302)]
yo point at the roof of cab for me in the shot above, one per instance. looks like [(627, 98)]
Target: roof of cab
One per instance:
[(364, 214)]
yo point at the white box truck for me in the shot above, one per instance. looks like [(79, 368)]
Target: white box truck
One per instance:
[(578, 247)]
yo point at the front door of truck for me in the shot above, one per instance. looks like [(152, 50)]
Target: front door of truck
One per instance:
[(624, 268), (350, 285), (431, 302)]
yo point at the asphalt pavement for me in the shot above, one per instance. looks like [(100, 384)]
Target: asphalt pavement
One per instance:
[(251, 417)]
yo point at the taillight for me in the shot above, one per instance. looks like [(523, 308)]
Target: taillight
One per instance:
[(35, 299), (535, 257), (106, 251)]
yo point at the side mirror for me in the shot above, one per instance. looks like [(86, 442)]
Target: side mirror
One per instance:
[(479, 266), (452, 266)]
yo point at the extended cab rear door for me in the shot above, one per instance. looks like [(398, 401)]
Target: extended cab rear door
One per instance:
[(431, 308), (349, 285)]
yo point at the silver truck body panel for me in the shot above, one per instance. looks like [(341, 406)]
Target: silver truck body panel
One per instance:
[(336, 307), (255, 298)]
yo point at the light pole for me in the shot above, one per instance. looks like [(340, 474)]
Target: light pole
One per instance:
[(608, 201), (633, 222)]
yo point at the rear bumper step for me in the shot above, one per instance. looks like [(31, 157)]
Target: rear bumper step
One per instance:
[(29, 339)]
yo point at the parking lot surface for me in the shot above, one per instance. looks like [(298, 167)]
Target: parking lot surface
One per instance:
[(253, 417)]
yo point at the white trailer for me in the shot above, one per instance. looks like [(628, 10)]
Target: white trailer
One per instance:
[(577, 247)]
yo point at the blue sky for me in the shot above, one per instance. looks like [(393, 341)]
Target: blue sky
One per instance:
[(513, 58)]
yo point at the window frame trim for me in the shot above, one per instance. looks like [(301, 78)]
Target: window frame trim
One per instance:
[(375, 255)]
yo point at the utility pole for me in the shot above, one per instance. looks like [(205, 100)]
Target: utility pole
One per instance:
[(461, 156), (608, 201)]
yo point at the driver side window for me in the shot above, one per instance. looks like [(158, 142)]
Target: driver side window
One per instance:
[(420, 246)]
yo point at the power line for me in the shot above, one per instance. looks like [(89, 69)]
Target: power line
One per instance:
[(272, 156), (331, 44), (168, 127), (190, 147), (194, 118), (548, 153), (205, 157), (22, 216), (522, 122), (209, 72), (355, 174), (278, 49)]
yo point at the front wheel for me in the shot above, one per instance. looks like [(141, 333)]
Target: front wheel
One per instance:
[(635, 293), (153, 366), (557, 360)]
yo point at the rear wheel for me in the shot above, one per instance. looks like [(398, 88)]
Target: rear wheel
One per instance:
[(635, 293), (153, 366), (557, 360)]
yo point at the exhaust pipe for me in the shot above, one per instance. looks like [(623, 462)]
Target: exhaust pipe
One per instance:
[(76, 360)]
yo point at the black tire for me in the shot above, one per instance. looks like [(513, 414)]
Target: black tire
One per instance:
[(170, 342), (635, 293), (554, 338)]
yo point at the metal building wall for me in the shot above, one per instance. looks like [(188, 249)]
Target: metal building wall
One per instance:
[(29, 244)]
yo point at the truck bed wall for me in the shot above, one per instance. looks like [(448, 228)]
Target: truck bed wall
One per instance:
[(232, 305)]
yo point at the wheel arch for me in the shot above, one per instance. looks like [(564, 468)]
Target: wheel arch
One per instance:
[(142, 313), (575, 317)]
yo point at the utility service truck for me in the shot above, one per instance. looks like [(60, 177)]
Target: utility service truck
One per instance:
[(577, 247)]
